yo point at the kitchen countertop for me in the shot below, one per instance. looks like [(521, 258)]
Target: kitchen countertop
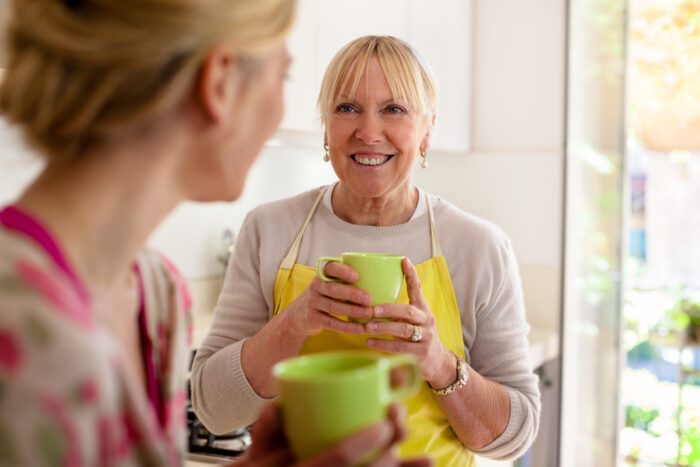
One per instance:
[(544, 345)]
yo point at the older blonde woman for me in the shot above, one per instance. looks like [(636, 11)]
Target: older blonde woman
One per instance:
[(462, 315), (135, 105)]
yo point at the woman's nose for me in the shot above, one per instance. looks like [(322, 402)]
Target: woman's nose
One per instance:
[(369, 129)]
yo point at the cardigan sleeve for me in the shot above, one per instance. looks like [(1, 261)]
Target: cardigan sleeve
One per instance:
[(500, 351), (222, 397)]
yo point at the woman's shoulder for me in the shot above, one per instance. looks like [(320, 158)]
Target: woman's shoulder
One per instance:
[(29, 278), (455, 220), (16, 246), (473, 246), (283, 213), (157, 271), (164, 289), (302, 201)]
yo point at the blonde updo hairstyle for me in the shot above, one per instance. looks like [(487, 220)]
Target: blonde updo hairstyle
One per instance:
[(79, 71), (409, 77)]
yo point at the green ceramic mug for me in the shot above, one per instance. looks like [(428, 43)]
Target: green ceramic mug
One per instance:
[(327, 396), (380, 275)]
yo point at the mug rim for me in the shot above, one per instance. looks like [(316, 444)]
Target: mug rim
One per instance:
[(361, 253), (374, 359)]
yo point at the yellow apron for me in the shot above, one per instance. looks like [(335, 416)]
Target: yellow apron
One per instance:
[(429, 431)]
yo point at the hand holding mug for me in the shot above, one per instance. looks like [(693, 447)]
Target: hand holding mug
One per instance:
[(323, 301), (379, 275), (270, 448), (414, 329), (326, 397)]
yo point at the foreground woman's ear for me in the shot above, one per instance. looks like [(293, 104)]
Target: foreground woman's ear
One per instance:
[(219, 83)]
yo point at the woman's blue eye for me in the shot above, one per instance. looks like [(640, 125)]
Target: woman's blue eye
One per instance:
[(394, 109), (344, 108)]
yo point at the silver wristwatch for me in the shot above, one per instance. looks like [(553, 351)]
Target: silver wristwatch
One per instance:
[(462, 378)]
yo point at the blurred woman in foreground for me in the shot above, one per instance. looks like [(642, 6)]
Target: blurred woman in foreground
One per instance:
[(135, 105)]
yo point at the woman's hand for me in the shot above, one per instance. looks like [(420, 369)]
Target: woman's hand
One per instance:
[(314, 310), (270, 449), (317, 307), (414, 320)]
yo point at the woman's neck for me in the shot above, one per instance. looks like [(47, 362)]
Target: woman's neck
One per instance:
[(394, 208), (102, 208)]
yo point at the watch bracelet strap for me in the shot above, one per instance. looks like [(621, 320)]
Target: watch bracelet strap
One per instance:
[(457, 384)]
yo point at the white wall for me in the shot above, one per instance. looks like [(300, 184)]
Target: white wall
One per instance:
[(518, 130), (18, 165), (519, 75)]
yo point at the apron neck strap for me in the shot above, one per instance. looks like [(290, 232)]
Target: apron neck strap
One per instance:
[(434, 243), (290, 260)]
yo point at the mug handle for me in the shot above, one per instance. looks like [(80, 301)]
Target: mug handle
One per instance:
[(406, 390), (319, 268)]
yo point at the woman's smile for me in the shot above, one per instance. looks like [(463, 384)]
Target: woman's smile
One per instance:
[(373, 160)]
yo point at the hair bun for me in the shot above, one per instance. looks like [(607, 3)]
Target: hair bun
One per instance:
[(73, 4), (79, 71)]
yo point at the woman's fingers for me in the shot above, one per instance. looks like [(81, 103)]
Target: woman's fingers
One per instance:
[(275, 457), (338, 325), (418, 462), (352, 449), (269, 447), (389, 459), (329, 300), (395, 346), (397, 415), (413, 287), (267, 429), (340, 271), (401, 329), (401, 312), (385, 459), (337, 306), (340, 291)]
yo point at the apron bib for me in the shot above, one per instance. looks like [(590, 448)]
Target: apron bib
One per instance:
[(429, 431)]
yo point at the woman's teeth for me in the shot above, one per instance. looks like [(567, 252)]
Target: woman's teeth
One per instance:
[(370, 160)]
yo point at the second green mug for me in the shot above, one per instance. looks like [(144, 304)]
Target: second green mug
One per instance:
[(327, 396)]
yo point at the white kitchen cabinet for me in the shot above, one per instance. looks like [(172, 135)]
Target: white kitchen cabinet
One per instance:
[(301, 87), (519, 64), (440, 30)]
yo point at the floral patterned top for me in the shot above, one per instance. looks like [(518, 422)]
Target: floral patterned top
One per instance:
[(65, 397)]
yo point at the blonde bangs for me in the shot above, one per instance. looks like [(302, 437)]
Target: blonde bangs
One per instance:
[(355, 69), (409, 79), (403, 76)]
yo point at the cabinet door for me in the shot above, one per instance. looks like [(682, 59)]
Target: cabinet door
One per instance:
[(442, 32), (303, 81)]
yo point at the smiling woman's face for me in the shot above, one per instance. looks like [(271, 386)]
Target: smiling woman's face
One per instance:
[(374, 140)]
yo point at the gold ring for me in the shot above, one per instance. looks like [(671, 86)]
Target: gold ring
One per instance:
[(417, 334)]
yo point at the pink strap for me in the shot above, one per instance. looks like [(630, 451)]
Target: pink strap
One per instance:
[(15, 219), (147, 353)]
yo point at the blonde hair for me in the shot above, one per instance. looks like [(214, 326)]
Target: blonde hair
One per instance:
[(408, 75), (81, 70)]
